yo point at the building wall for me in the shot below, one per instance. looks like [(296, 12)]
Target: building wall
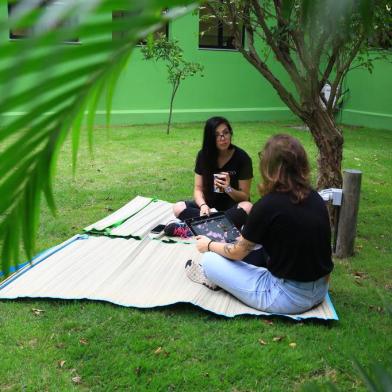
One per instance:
[(369, 99), (230, 87)]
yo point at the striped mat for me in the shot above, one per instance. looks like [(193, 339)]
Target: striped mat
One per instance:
[(131, 272), (135, 219)]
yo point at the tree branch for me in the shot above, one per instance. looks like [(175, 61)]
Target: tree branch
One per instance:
[(252, 56), (331, 63), (342, 71), (283, 58)]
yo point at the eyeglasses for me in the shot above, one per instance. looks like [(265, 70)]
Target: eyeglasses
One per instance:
[(224, 135)]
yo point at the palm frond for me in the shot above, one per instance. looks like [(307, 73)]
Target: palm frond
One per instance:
[(50, 85)]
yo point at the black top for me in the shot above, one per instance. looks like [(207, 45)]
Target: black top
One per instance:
[(240, 168), (297, 237)]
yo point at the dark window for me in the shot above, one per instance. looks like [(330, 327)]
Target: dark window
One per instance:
[(382, 38), (24, 32), (18, 32), (213, 33), (163, 31)]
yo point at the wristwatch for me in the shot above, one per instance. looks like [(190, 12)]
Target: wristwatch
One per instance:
[(228, 189)]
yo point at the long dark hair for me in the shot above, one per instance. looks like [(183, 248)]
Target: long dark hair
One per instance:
[(209, 152), (284, 167)]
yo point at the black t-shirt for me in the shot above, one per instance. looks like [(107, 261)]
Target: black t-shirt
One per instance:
[(297, 237), (240, 168)]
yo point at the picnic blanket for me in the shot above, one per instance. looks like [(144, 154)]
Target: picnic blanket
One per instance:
[(132, 272)]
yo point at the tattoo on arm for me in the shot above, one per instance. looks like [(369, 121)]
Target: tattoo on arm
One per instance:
[(227, 249), (243, 244)]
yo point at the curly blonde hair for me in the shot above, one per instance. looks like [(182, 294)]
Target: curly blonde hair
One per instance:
[(284, 167)]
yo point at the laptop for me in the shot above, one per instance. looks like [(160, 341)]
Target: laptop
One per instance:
[(217, 226)]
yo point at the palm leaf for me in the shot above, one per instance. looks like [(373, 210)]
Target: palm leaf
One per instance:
[(51, 85)]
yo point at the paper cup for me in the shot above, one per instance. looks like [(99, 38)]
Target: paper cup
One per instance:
[(216, 188)]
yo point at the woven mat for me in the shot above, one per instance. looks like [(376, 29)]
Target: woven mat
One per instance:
[(128, 272)]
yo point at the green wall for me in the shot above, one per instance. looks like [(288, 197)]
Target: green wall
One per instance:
[(230, 87), (369, 99)]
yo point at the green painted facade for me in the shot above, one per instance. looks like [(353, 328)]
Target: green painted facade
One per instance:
[(230, 87), (369, 99)]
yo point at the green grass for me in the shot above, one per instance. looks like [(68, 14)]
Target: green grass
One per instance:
[(115, 348)]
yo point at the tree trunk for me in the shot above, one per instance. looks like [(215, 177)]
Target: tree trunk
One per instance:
[(170, 114), (329, 140), (174, 90)]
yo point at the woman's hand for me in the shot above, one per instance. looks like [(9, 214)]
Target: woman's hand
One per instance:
[(224, 181), (204, 210), (202, 243)]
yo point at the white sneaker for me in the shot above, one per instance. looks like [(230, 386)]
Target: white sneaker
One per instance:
[(194, 271)]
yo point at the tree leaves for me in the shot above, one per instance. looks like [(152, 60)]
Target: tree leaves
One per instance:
[(366, 8), (51, 85), (287, 8), (178, 69)]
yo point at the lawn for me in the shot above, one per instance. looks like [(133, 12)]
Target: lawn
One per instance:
[(81, 345)]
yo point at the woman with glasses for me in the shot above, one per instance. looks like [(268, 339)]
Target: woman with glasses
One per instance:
[(291, 222), (223, 175)]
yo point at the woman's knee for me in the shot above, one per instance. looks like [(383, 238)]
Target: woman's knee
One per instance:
[(211, 263), (178, 208), (246, 206)]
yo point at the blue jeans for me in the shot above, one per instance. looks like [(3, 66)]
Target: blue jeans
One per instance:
[(258, 288)]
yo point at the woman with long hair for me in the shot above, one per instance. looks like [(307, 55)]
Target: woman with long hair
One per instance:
[(223, 175), (291, 222)]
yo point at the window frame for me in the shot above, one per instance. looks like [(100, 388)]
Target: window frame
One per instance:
[(220, 36), (120, 34), (376, 43), (29, 32)]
